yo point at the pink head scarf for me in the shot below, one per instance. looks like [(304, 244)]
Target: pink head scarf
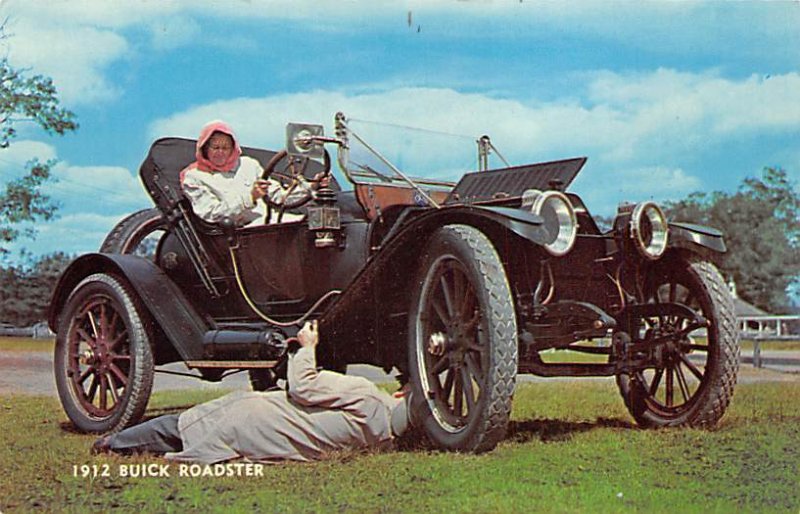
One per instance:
[(202, 163)]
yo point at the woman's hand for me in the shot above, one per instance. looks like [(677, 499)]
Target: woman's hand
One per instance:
[(259, 189), (321, 179)]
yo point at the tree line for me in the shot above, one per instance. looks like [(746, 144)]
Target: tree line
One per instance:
[(761, 222), (25, 289), (27, 99)]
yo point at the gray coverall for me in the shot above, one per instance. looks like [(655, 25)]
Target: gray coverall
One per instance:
[(320, 412)]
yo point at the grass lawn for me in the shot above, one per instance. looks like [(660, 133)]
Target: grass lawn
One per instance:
[(747, 345), (571, 448), (26, 344)]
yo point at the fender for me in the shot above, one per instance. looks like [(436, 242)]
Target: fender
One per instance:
[(408, 233), (696, 237), (170, 309), (523, 223), (519, 221), (415, 224)]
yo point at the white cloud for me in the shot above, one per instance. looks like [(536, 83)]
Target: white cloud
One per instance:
[(665, 97), (626, 117), (257, 121), (76, 41), (70, 233), (759, 103), (603, 189), (62, 53), (98, 189)]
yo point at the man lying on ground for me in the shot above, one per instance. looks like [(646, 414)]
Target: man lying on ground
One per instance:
[(319, 412)]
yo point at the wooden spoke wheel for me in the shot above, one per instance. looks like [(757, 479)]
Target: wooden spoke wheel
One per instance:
[(103, 360), (463, 342), (693, 369)]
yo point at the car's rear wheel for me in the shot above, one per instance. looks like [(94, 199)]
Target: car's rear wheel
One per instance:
[(462, 342), (693, 373), (138, 234), (103, 361)]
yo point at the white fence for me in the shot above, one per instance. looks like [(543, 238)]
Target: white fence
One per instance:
[(769, 328)]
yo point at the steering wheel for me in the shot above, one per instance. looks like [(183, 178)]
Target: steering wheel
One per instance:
[(296, 167)]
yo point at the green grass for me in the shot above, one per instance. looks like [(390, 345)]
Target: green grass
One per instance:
[(26, 344), (747, 345), (571, 448), (559, 356)]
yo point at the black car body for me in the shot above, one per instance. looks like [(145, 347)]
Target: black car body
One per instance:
[(459, 286)]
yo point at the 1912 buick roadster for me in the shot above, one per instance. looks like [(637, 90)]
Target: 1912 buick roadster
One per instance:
[(460, 286)]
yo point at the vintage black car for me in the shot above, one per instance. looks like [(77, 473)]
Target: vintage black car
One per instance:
[(459, 286)]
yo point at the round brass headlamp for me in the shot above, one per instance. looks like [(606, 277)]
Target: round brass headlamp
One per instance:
[(559, 217), (649, 230)]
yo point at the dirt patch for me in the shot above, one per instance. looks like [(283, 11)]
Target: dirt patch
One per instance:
[(27, 372), (749, 374), (32, 373)]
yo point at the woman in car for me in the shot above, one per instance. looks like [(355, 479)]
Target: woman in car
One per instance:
[(224, 184)]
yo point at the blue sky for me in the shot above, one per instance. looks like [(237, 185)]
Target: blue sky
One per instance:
[(664, 98)]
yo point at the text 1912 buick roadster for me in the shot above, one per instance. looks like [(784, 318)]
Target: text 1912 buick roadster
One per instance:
[(459, 286)]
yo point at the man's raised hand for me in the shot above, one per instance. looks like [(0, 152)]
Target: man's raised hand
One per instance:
[(308, 335)]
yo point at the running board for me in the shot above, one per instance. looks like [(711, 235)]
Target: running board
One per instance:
[(545, 369), (231, 364)]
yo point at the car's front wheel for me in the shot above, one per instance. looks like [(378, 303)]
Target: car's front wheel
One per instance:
[(691, 377), (462, 342), (103, 362)]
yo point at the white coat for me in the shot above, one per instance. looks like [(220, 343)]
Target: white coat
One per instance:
[(216, 195)]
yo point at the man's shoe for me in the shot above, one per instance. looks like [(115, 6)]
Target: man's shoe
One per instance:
[(102, 445)]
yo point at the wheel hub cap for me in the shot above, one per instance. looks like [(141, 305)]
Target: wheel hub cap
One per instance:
[(86, 357), (436, 344)]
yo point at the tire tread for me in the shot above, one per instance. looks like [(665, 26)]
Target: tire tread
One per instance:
[(717, 396), (141, 382), (500, 385), (117, 239)]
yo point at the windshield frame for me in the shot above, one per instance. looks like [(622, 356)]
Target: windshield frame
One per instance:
[(370, 176)]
